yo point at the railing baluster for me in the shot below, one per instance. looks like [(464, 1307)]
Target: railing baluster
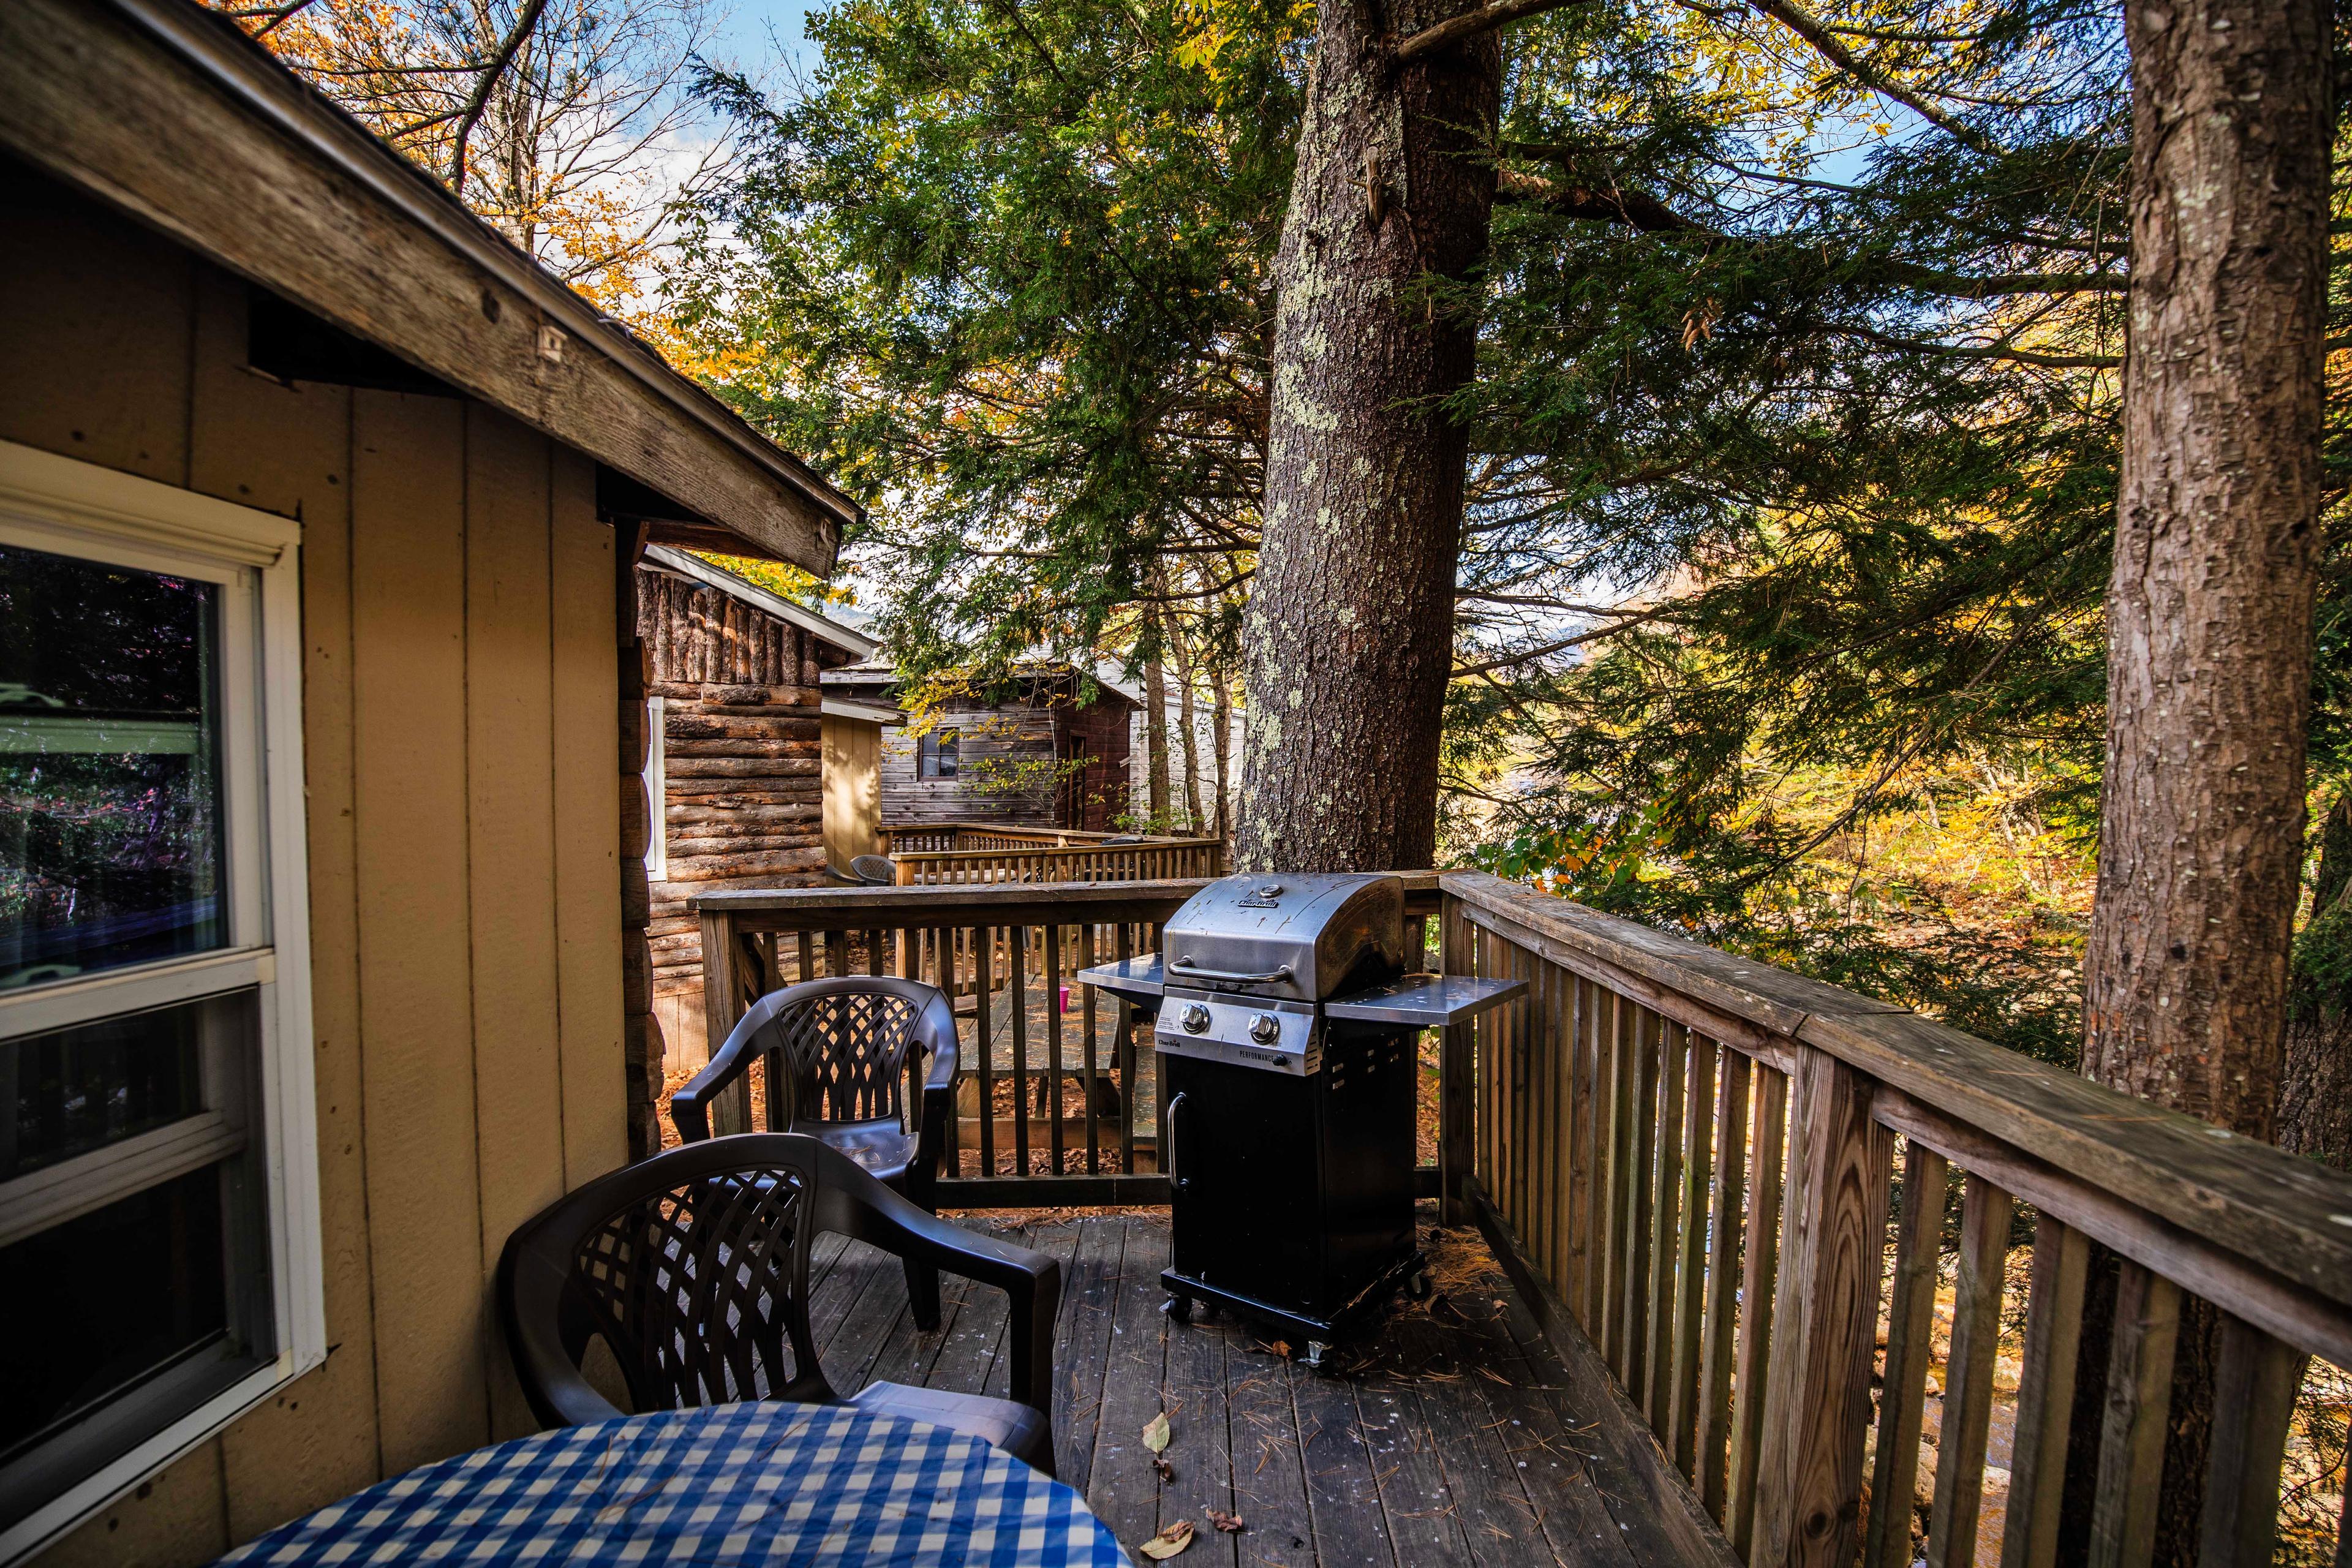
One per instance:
[(1985, 1214), (1699, 1168), (1759, 1275), (1618, 1201), (1052, 1085), (1665, 1227), (2253, 1399), (1910, 1326), (1125, 1046), (1715, 1340), (1641, 1187), (984, 1056), (1560, 1149), (2139, 1407), (1086, 1022), (1817, 1398), (1586, 1091), (2045, 1395), (1016, 954), (1458, 1122)]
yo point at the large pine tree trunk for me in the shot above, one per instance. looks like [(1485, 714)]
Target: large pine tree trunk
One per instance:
[(2210, 605), (2208, 609), (1349, 635)]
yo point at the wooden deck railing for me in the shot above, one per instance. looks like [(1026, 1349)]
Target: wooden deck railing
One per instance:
[(1053, 1106), (1688, 1162), (1688, 1159), (967, 852)]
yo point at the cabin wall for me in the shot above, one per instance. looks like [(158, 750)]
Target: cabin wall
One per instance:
[(743, 760), (1005, 769), (853, 790), (1011, 767), (460, 732), (1095, 796)]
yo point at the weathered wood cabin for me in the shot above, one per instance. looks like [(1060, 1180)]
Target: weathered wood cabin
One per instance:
[(740, 765), (317, 501), (1053, 753)]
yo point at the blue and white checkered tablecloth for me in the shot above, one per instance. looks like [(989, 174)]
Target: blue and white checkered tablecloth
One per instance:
[(769, 1484)]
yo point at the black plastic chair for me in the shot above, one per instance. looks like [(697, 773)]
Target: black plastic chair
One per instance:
[(878, 870), (692, 1266), (840, 1053)]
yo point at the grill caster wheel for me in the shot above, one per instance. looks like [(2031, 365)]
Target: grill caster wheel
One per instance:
[(1315, 1358), (1419, 1288), (1179, 1309)]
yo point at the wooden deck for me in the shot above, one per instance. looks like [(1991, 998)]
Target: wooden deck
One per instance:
[(1449, 1436)]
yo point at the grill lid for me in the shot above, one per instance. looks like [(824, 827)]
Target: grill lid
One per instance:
[(1295, 934)]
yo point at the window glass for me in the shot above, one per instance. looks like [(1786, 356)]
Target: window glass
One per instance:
[(111, 1299), (81, 1088), (939, 750), (110, 841)]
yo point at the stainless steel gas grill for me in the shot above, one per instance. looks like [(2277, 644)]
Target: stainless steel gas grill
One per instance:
[(1285, 1024)]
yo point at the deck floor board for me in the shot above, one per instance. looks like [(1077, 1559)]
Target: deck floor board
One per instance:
[(1446, 1437)]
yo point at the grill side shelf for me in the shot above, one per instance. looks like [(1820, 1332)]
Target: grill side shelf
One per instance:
[(1425, 1001), (1138, 977)]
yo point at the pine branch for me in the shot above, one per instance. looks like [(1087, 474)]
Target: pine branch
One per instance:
[(1469, 24), (1792, 16)]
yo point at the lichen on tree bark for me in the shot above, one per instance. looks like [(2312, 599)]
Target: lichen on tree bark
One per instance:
[(1348, 640)]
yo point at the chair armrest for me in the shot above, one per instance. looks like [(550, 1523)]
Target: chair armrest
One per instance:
[(531, 1306), (857, 1205), (689, 1107), (932, 1135)]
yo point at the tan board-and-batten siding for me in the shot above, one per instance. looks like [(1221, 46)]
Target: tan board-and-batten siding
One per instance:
[(460, 733)]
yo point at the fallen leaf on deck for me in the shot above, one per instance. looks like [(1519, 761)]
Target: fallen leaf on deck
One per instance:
[(1166, 1471), (1280, 1347), (1231, 1523), (1155, 1433), (1168, 1542)]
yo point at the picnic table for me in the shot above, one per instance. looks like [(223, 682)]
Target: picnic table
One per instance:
[(765, 1484)]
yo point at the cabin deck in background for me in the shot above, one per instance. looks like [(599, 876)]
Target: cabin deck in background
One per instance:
[(1450, 1435)]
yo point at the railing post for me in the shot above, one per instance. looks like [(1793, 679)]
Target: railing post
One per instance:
[(1826, 1317), (722, 985), (1457, 1108)]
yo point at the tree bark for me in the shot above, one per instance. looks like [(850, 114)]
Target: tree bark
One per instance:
[(2209, 602), (1348, 639), (1220, 715), (2210, 605), (1155, 737), (1188, 729), (2315, 1080)]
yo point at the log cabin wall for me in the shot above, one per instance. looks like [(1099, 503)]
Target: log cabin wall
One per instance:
[(459, 733), (743, 761)]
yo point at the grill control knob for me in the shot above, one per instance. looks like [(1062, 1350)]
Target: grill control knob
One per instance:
[(1265, 1028), (1195, 1019)]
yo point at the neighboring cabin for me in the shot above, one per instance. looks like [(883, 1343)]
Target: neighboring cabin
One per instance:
[(1053, 753), (323, 963), (760, 781)]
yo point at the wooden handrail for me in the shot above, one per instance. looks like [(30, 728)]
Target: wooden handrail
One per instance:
[(1684, 1158), (1001, 950)]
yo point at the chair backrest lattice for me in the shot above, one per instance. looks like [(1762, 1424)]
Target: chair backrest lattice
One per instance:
[(700, 1289), (842, 1056)]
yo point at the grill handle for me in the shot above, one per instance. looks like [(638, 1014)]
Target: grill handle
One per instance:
[(1175, 1181), (1186, 967)]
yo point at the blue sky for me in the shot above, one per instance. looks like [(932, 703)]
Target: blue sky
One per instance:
[(765, 33)]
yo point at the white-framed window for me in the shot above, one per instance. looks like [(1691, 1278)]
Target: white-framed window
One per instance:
[(656, 793), (159, 1233)]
